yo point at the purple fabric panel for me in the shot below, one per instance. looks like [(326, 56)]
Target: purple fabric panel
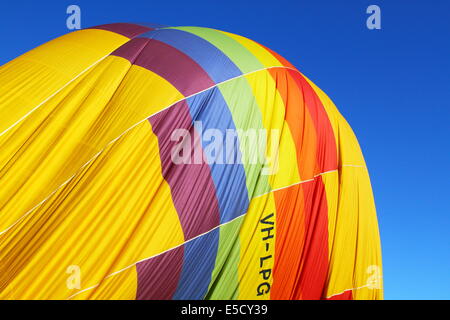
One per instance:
[(166, 61), (176, 67), (126, 29), (131, 49), (191, 185), (158, 277)]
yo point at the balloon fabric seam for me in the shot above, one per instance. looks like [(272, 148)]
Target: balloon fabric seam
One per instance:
[(125, 132)]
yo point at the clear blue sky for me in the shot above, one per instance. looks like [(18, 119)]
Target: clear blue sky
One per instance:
[(392, 85)]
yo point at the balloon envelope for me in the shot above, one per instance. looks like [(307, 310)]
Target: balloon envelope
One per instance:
[(153, 162)]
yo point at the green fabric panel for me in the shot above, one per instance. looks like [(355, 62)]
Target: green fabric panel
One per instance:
[(237, 53), (225, 278), (246, 115)]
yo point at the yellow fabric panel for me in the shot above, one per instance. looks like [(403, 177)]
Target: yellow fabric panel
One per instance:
[(117, 211), (355, 250), (368, 263), (280, 146), (257, 254), (342, 232), (51, 145), (264, 56), (28, 80), (353, 235), (122, 286), (26, 131), (71, 128), (369, 293), (331, 110), (347, 145), (146, 92), (332, 183)]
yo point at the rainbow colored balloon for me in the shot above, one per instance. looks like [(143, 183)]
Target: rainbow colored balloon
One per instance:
[(153, 162)]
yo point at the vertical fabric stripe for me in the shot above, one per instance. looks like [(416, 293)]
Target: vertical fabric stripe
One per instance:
[(257, 243), (193, 194), (326, 143), (300, 123), (281, 167), (313, 274), (290, 241), (247, 119), (199, 261), (224, 280), (228, 174), (192, 187), (158, 277)]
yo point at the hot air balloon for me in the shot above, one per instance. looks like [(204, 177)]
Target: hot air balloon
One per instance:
[(153, 162)]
